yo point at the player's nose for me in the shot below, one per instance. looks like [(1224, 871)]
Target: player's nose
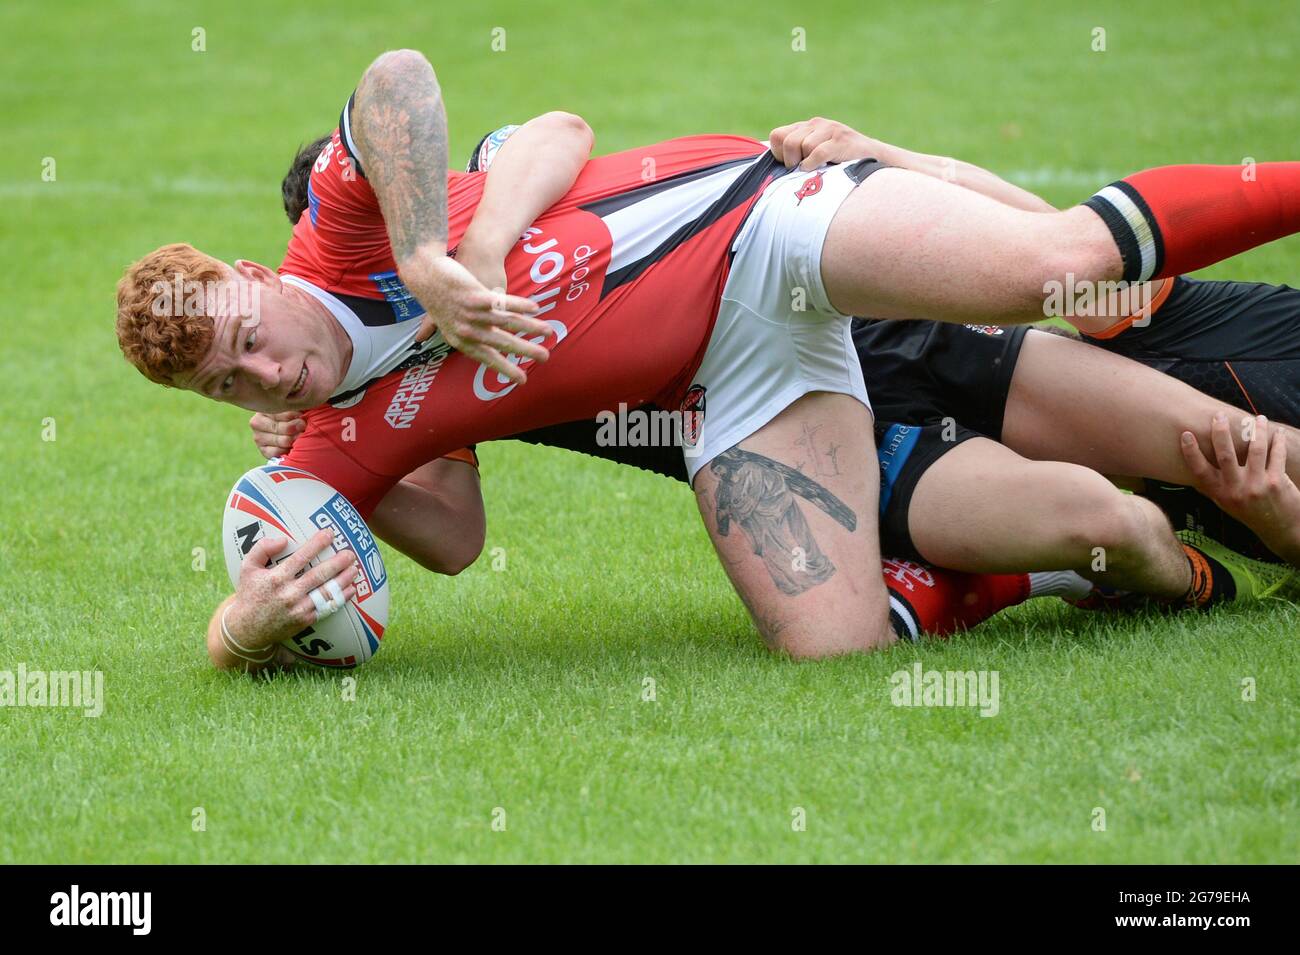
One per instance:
[(263, 370)]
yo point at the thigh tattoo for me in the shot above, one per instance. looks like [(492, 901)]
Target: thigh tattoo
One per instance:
[(761, 495)]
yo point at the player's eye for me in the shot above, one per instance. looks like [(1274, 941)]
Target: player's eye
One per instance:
[(250, 340), (228, 383)]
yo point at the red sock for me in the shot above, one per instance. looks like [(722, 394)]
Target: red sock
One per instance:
[(933, 602), (1176, 219)]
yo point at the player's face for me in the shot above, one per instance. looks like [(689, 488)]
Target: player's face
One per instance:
[(273, 348)]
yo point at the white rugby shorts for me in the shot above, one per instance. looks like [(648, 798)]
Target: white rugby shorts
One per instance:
[(777, 337)]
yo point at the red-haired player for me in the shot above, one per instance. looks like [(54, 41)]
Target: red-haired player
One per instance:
[(708, 269)]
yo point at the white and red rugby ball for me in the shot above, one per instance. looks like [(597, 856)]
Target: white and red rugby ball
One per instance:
[(274, 501)]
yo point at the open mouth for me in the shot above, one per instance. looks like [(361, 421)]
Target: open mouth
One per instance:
[(299, 384)]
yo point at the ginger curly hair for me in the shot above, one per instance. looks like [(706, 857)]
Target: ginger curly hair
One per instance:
[(164, 343)]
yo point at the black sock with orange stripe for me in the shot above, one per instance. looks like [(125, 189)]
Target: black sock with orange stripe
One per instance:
[(1211, 583)]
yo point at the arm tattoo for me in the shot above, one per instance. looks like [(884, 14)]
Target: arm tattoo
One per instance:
[(401, 133), (761, 495)]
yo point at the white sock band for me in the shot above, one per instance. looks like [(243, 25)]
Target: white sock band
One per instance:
[(1059, 583)]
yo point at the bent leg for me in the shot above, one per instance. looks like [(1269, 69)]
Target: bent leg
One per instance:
[(797, 532), (1071, 401), (981, 508)]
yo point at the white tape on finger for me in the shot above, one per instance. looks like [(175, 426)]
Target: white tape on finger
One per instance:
[(323, 607)]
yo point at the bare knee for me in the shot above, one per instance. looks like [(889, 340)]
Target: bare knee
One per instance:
[(1088, 512), (802, 642), (1106, 527), (1070, 251)]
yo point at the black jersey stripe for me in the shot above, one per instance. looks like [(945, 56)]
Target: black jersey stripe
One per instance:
[(372, 312), (345, 135), (614, 203), (752, 181), (428, 350)]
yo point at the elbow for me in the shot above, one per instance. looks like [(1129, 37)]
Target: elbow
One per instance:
[(572, 125), (392, 62), (466, 552), (453, 556), (452, 561), (398, 69), (454, 566)]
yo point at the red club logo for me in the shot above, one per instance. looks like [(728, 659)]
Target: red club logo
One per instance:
[(907, 573), (693, 415), (811, 186)]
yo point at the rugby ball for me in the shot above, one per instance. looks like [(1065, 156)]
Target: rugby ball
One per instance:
[(275, 501)]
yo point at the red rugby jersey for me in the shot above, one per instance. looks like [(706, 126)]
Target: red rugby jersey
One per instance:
[(628, 268)]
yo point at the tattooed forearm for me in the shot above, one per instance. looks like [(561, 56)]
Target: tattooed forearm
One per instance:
[(400, 129), (760, 495)]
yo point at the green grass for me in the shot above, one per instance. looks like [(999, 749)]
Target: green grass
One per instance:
[(522, 688)]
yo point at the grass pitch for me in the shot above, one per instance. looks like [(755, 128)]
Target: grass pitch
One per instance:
[(507, 718)]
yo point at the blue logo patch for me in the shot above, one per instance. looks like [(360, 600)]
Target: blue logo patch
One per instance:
[(399, 297), (894, 450), (351, 533)]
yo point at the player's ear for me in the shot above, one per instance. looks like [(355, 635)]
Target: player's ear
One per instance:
[(256, 272)]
